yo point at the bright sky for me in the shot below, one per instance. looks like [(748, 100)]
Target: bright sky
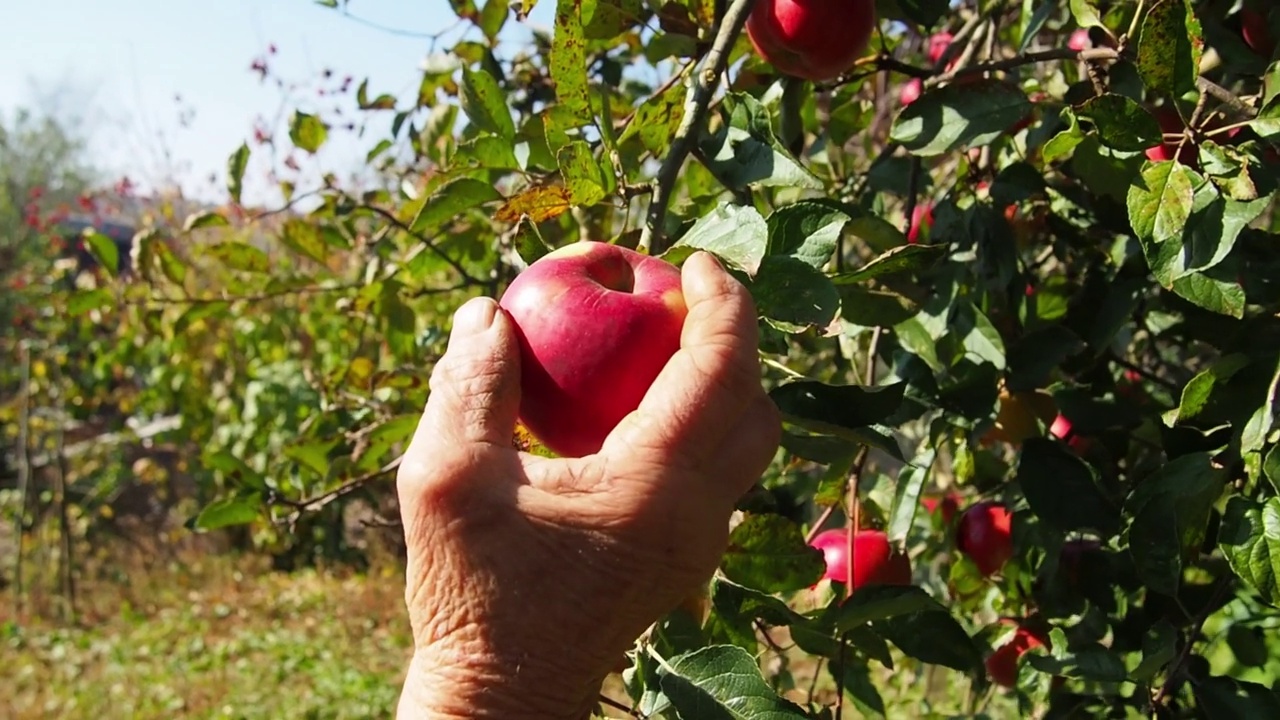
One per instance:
[(137, 70)]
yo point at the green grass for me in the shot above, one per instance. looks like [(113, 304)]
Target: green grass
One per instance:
[(212, 641)]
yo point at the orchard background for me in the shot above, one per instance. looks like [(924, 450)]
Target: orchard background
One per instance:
[(1021, 255)]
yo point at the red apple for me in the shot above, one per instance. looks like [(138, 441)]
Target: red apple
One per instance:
[(921, 222), (811, 39), (1171, 123), (948, 504), (1063, 430), (1079, 40), (1256, 33), (876, 562), (985, 535), (1002, 665), (596, 324), (938, 45), (910, 91)]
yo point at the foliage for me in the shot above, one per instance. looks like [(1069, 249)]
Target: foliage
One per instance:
[(1056, 226)]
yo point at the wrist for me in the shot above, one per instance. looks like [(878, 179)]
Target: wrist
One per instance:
[(446, 683)]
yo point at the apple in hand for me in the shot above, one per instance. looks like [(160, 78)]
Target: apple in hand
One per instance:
[(876, 562), (596, 324), (985, 535), (811, 39), (1002, 665)]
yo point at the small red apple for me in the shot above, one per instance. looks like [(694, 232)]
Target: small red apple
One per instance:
[(596, 324), (876, 562), (938, 45), (811, 39), (911, 91), (985, 534), (1079, 40), (1002, 665), (948, 504), (921, 222), (1171, 123), (1063, 430), (1256, 33)]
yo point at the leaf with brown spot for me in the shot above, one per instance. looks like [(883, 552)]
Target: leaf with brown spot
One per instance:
[(539, 204)]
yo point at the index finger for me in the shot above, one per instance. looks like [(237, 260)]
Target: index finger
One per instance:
[(709, 382)]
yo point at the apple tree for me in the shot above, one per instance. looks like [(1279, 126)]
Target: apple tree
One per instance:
[(1016, 271)]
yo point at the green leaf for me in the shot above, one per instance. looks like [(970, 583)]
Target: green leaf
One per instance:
[(960, 115), (1061, 145), (581, 173), (1228, 698), (225, 512), (236, 164), (737, 235), (1089, 661), (207, 219), (768, 553), (905, 258), (1085, 13), (1062, 490), (656, 120), (931, 637), (313, 455), (607, 19), (808, 230), (1121, 123), (104, 250), (741, 602), (1160, 201), (832, 409), (1170, 515), (240, 256), (492, 18), (722, 682), (307, 131), (744, 152), (451, 200), (87, 300), (569, 61), (870, 603), (1169, 48), (485, 104), (1250, 540), (794, 296), (875, 308), (1197, 393), (305, 239), (1225, 297)]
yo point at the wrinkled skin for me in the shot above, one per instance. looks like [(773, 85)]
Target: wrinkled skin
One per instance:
[(528, 577), (811, 39)]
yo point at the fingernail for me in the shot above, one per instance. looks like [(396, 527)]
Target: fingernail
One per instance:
[(475, 316)]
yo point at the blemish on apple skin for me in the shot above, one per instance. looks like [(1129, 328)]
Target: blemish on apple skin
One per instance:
[(674, 299)]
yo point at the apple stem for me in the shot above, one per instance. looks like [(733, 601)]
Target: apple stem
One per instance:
[(702, 86)]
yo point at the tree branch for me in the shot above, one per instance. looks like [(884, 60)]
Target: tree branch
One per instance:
[(701, 87), (400, 224)]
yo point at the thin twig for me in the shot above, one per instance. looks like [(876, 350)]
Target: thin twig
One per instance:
[(259, 297), (66, 571), (701, 87), (400, 224), (24, 474), (320, 501), (606, 700), (1197, 624)]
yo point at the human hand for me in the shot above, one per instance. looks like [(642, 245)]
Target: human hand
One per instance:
[(528, 577)]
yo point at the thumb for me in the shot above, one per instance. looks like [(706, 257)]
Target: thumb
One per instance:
[(475, 386)]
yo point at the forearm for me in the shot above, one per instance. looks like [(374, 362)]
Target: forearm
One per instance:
[(451, 686)]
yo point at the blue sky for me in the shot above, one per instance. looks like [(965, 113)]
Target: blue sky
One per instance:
[(135, 70)]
